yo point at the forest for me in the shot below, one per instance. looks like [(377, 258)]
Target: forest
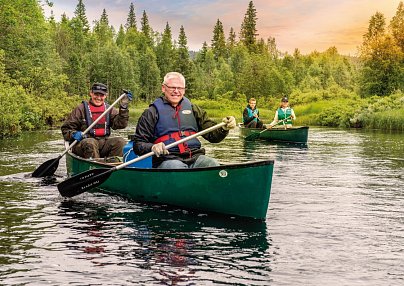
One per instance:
[(47, 68)]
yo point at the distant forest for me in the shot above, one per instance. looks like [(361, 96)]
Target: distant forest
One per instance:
[(47, 67)]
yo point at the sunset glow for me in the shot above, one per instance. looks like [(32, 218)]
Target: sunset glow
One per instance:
[(307, 24)]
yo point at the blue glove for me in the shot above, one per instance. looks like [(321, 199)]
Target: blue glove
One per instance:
[(129, 95), (78, 135)]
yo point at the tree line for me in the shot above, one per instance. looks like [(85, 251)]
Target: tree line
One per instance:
[(47, 67)]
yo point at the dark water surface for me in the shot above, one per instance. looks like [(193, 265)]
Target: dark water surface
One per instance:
[(336, 217)]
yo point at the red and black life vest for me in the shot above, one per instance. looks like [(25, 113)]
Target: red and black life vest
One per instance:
[(102, 128), (175, 123)]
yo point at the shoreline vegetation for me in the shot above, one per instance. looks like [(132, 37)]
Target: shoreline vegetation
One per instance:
[(47, 68), (373, 113)]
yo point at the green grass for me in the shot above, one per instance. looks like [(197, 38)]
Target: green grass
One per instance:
[(390, 119), (341, 112)]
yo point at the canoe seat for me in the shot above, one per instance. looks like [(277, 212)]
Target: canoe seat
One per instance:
[(128, 155)]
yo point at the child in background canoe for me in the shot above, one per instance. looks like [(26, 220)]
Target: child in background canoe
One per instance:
[(251, 115), (282, 113)]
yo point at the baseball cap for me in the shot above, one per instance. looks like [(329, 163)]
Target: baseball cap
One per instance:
[(99, 88)]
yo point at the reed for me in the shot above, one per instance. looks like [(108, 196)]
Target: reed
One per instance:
[(390, 119)]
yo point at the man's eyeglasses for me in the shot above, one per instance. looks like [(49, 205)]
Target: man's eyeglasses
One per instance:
[(173, 88)]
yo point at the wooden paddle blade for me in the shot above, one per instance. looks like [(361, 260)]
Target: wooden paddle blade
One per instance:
[(47, 168), (83, 182)]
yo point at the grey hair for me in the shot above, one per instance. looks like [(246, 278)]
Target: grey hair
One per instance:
[(171, 75)]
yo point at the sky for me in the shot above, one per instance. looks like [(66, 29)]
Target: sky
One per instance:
[(308, 25)]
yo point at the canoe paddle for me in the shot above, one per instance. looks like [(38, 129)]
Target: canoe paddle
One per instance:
[(256, 135), (49, 167), (82, 182)]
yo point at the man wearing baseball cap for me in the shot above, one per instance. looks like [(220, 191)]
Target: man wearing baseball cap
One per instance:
[(283, 114), (97, 143)]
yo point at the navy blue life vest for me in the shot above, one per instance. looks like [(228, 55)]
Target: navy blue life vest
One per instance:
[(175, 123), (102, 128)]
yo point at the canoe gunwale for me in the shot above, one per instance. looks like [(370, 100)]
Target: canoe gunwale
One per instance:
[(221, 166)]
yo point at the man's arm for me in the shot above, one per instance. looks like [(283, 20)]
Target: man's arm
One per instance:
[(293, 114), (205, 122), (75, 122), (119, 119)]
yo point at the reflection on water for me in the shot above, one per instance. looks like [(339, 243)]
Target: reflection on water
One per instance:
[(132, 242), (335, 218), (169, 244)]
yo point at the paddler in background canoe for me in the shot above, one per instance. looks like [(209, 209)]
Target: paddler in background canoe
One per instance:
[(172, 117), (285, 113), (251, 115)]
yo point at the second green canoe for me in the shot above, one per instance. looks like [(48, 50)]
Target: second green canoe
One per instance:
[(297, 135)]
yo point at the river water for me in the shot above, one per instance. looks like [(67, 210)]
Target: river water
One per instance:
[(336, 217)]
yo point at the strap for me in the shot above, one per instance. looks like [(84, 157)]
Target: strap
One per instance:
[(176, 136)]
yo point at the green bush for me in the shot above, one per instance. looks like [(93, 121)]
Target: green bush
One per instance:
[(10, 102)]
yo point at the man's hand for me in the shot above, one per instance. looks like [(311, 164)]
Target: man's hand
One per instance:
[(159, 149), (230, 122), (78, 135), (125, 100)]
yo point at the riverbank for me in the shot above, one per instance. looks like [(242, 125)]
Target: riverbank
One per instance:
[(346, 112)]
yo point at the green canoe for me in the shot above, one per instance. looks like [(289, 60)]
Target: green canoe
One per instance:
[(235, 189), (277, 134)]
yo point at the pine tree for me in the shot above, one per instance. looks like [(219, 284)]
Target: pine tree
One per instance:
[(104, 18), (102, 29), (146, 29), (165, 51), (80, 14), (182, 52), (120, 37), (131, 21), (218, 41), (231, 41), (248, 32), (202, 54), (183, 62)]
